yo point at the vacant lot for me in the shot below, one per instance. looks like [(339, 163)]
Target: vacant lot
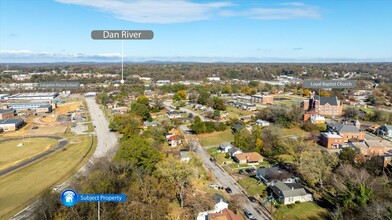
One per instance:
[(306, 210), (215, 138), (11, 154), (19, 188), (251, 186)]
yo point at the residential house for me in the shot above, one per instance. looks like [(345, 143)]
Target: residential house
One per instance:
[(225, 214), (233, 151), (263, 99), (385, 131), (219, 207), (174, 140), (317, 119), (262, 123), (248, 157), (173, 114), (147, 124), (225, 147), (273, 174), (237, 127), (289, 193)]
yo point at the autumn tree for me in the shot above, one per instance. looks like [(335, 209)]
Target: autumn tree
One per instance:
[(177, 173)]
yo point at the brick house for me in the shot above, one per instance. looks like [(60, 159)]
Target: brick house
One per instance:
[(250, 157), (339, 134)]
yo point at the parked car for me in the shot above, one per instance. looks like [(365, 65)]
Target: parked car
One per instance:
[(252, 199), (249, 214), (215, 186), (228, 190), (34, 127), (241, 171)]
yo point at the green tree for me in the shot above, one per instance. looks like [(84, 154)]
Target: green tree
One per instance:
[(176, 172), (137, 150), (219, 104), (180, 95)]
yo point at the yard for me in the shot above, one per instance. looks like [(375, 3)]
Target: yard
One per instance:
[(215, 138), (12, 154), (295, 131), (306, 210), (235, 112), (251, 186), (20, 187)]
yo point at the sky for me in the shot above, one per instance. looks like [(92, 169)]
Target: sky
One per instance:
[(197, 30)]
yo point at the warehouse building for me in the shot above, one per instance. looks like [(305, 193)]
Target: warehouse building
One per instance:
[(6, 113), (11, 124), (39, 107), (33, 96)]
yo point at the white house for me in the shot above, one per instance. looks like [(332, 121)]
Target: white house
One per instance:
[(262, 123), (289, 193), (217, 208), (225, 147), (233, 151)]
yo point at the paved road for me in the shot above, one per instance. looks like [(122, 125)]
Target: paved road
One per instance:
[(170, 103), (106, 147), (62, 143), (228, 181)]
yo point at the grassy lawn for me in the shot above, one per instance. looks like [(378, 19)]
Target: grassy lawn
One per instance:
[(19, 188), (251, 186), (90, 127), (286, 157), (306, 210), (235, 165), (216, 138), (10, 154), (236, 111), (293, 131)]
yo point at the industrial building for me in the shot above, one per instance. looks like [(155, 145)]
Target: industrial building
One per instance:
[(11, 124), (39, 107), (33, 96), (6, 113)]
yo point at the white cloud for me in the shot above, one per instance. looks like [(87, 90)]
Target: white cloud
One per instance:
[(281, 11), (154, 11), (43, 55)]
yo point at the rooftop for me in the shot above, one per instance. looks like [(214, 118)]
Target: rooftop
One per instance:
[(324, 100), (330, 135), (11, 121)]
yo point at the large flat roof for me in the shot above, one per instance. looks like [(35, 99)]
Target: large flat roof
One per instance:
[(11, 121), (32, 95)]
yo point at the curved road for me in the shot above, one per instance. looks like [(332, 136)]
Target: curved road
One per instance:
[(106, 147), (62, 143)]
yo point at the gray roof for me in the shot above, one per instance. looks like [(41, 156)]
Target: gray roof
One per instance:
[(272, 173), (324, 100), (288, 189), (225, 144), (339, 127), (6, 110), (237, 127), (12, 121)]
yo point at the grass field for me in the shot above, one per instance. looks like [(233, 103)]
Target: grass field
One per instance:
[(19, 188), (293, 131), (11, 154), (215, 138), (306, 210), (251, 186), (233, 111)]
